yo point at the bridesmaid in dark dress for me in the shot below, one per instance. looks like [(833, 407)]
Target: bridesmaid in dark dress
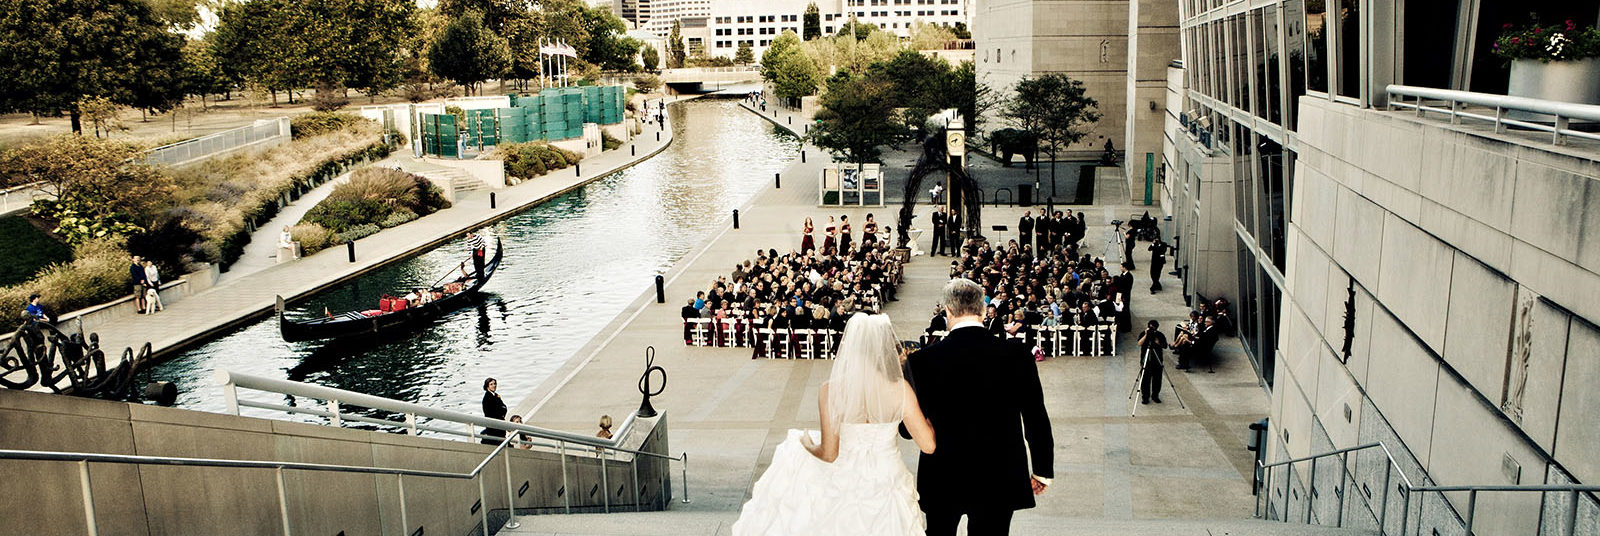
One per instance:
[(869, 230), (493, 408), (807, 244), (844, 235), (830, 237)]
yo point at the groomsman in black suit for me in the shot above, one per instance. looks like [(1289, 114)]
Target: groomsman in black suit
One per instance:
[(1158, 260), (954, 225), (1025, 229), (982, 394), (938, 218)]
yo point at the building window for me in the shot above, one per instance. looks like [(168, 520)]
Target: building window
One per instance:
[(1316, 46), (1265, 43), (1295, 51), (1349, 44), (1239, 28)]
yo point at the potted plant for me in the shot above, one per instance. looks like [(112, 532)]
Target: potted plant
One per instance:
[(1556, 62)]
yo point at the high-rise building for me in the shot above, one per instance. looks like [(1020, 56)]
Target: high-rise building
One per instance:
[(717, 27), (1423, 279)]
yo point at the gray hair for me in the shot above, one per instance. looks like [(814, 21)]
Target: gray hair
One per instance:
[(962, 297)]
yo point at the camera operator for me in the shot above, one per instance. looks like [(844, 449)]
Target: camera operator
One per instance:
[(1151, 344)]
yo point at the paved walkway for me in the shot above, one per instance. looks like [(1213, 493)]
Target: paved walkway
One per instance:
[(262, 251), (728, 412), (237, 299)]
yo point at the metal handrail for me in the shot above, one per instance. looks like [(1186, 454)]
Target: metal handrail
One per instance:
[(1563, 112), (1411, 490)]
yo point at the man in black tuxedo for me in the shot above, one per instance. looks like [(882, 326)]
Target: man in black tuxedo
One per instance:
[(1158, 260), (689, 312), (1025, 229), (953, 225), (938, 218), (983, 397)]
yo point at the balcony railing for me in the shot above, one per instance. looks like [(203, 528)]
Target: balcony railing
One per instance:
[(1453, 103)]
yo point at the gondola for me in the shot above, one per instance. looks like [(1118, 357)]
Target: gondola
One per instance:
[(379, 321)]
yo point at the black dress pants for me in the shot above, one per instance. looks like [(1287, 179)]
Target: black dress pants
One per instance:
[(938, 241), (1150, 384), (988, 523)]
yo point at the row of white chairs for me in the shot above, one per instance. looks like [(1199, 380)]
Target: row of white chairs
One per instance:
[(1060, 341), (768, 342)]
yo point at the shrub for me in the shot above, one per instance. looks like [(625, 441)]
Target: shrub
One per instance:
[(329, 98), (532, 159), (400, 217), (607, 142), (358, 232), (321, 122), (102, 188), (98, 274), (312, 237), (372, 196), (647, 83)]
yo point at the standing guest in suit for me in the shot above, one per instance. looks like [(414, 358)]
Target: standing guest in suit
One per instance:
[(689, 312), (983, 396), (1158, 260), (1041, 234), (938, 218), (493, 408), (1025, 229), (1123, 282), (1130, 238), (955, 233), (807, 243)]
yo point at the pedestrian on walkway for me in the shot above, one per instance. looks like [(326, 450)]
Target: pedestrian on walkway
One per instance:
[(493, 408), (152, 292), (35, 310), (1158, 260), (136, 275)]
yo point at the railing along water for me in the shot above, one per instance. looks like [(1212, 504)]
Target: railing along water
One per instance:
[(1454, 101), (1409, 491)]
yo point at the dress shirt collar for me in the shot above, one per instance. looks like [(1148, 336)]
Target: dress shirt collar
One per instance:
[(967, 324)]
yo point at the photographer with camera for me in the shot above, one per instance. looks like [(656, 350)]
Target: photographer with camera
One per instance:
[(1151, 343)]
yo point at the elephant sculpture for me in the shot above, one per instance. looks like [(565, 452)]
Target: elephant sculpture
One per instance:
[(1010, 141)]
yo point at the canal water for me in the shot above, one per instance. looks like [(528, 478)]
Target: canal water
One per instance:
[(570, 266)]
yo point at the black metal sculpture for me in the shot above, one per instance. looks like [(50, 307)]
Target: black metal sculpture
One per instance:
[(39, 354), (965, 198), (645, 410)]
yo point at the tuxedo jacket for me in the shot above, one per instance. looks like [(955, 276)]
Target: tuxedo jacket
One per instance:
[(1025, 225), (982, 395)]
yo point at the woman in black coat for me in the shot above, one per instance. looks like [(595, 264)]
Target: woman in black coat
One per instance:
[(493, 408)]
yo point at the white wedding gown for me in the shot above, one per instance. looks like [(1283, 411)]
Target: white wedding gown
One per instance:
[(866, 491)]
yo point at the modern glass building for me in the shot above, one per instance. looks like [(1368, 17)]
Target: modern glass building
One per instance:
[(1409, 277)]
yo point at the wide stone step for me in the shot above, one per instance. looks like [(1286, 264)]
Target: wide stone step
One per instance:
[(673, 523)]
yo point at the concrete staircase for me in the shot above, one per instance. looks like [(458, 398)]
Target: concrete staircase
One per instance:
[(706, 523), (460, 181)]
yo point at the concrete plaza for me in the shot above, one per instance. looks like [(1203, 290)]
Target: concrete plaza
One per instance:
[(728, 411)]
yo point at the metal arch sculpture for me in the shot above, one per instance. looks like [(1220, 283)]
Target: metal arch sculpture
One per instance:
[(41, 355), (935, 159)]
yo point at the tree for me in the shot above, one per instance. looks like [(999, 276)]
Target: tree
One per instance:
[(961, 31), (812, 26), (650, 56), (468, 53), (55, 53), (794, 74), (1054, 107), (676, 53), (201, 74), (647, 84), (973, 98), (923, 85), (609, 46), (856, 117), (926, 36), (261, 42), (366, 41), (859, 30), (744, 56), (769, 59), (100, 188)]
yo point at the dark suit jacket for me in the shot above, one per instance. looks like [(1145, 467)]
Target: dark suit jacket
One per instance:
[(982, 396)]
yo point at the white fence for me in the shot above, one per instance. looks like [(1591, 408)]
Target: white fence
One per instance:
[(190, 150)]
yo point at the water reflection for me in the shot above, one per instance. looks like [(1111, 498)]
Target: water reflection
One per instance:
[(570, 266)]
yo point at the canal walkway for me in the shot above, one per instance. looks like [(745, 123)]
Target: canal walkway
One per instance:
[(729, 412), (237, 299)]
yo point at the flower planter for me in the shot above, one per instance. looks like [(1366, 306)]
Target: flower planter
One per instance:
[(1576, 81)]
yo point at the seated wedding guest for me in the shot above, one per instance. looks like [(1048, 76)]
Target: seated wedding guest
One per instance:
[(938, 323), (605, 427), (524, 440)]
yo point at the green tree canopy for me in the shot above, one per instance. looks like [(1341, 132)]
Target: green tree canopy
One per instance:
[(468, 53), (609, 46), (102, 188), (55, 53), (812, 25), (794, 74), (769, 58), (745, 55), (857, 117), (923, 85), (676, 53), (650, 56), (1054, 107), (857, 29), (201, 74)]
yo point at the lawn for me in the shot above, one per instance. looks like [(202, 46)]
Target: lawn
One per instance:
[(28, 250)]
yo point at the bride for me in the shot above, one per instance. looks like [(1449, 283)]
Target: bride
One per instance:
[(852, 479)]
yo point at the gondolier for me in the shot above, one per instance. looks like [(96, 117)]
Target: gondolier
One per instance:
[(475, 242)]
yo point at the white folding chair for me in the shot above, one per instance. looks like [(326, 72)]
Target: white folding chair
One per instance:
[(825, 340), (1112, 335), (730, 332), (1098, 331), (701, 332), (764, 342), (804, 345), (1077, 341), (1044, 338)]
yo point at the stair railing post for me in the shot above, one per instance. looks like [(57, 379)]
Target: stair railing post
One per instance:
[(483, 504), (605, 485), (1342, 489), (1383, 508), (685, 467), (400, 484), (88, 498), (1311, 493), (566, 492), (283, 502), (1472, 505), (511, 498), (1572, 516)]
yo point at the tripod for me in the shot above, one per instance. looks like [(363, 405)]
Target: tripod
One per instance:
[(1138, 383)]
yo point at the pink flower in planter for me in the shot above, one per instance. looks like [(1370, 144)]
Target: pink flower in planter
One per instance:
[(1516, 40), (1536, 30), (1570, 25)]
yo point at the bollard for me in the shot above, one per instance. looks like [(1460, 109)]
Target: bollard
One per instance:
[(578, 169), (735, 218), (658, 136), (791, 120), (777, 179), (661, 290), (802, 157), (634, 149), (491, 200), (351, 247)]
